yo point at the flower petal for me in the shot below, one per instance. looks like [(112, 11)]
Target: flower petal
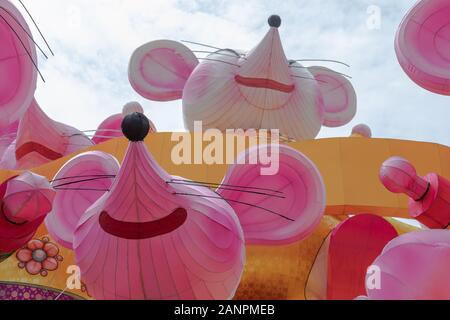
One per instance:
[(23, 255), (50, 264), (35, 244), (33, 267), (50, 249)]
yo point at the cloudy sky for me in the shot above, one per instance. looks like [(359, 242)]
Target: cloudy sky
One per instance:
[(87, 79)]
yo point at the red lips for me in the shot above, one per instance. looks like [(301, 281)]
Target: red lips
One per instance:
[(264, 83), (142, 230)]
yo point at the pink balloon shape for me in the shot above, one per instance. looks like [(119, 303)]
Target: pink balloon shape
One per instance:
[(423, 47), (111, 127), (399, 176), (414, 266), (17, 59), (362, 130), (275, 209), (78, 184)]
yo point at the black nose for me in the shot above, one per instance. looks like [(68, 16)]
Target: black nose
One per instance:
[(135, 126), (274, 21)]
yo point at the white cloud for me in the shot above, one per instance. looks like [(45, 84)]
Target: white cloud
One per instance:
[(93, 40)]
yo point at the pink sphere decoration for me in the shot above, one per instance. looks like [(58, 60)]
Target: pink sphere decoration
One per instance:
[(110, 128), (131, 107), (414, 266), (362, 130), (399, 176)]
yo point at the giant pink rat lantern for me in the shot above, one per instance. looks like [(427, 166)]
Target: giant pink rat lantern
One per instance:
[(140, 233), (25, 200), (28, 137), (429, 197), (423, 46), (229, 89)]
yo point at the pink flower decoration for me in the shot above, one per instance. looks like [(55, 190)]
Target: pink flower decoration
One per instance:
[(39, 257)]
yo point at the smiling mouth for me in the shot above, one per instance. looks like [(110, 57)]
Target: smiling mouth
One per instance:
[(142, 230), (264, 83)]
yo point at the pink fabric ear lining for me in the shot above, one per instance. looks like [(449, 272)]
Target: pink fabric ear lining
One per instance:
[(96, 171), (338, 96), (289, 205), (16, 90), (110, 128), (159, 69), (423, 45)]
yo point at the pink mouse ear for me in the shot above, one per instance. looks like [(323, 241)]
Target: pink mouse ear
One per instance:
[(423, 47), (18, 74), (275, 209), (338, 96), (78, 184), (159, 69)]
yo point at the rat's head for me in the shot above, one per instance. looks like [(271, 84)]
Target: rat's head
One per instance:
[(139, 215), (18, 74), (260, 89)]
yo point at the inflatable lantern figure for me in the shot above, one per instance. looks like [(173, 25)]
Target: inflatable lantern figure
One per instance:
[(111, 127), (413, 267), (139, 233), (423, 47), (25, 200), (28, 137), (429, 197), (261, 89)]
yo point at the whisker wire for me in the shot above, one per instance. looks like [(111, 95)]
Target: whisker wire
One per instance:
[(24, 47), (83, 189), (37, 27), (229, 189), (78, 181), (323, 60), (216, 60), (235, 201), (339, 73), (201, 44), (227, 185), (85, 176), (26, 32)]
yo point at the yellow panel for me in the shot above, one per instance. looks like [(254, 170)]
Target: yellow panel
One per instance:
[(349, 167), (327, 158)]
